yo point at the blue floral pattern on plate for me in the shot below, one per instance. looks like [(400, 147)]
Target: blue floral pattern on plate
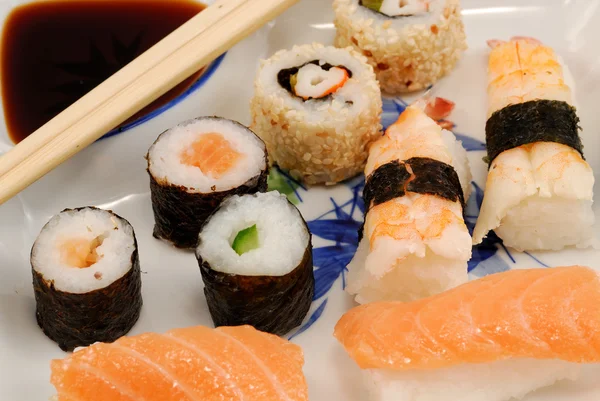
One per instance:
[(339, 226)]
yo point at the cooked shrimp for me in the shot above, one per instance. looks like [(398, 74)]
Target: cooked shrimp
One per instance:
[(416, 134), (522, 70)]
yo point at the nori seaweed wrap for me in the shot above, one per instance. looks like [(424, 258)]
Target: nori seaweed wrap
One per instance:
[(418, 174), (86, 277), (255, 257), (194, 166), (534, 121)]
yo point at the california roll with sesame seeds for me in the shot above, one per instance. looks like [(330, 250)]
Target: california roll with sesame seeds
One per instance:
[(411, 44), (317, 108)]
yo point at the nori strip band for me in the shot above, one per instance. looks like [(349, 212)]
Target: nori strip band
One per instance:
[(284, 77), (78, 320), (393, 179), (529, 122), (360, 3), (273, 304), (429, 176)]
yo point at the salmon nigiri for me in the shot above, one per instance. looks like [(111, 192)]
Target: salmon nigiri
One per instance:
[(491, 339), (189, 364)]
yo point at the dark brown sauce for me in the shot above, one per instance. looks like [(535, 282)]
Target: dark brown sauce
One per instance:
[(55, 51)]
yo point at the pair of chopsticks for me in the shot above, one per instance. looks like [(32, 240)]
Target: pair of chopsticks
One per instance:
[(193, 45)]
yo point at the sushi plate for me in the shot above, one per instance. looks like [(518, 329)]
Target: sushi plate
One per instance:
[(111, 174)]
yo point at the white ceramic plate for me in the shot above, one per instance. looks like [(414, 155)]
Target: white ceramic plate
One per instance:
[(111, 174)]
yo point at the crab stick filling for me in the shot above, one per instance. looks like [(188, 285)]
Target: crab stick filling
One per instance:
[(312, 81)]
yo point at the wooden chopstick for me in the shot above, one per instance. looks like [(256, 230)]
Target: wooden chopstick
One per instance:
[(196, 43)]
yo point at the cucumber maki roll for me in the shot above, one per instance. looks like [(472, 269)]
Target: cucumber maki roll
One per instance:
[(194, 166), (86, 277), (255, 256)]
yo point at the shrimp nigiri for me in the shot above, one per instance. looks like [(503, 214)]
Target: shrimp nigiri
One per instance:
[(415, 242), (539, 189)]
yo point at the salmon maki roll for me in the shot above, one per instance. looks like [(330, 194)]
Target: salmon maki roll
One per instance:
[(539, 189), (414, 239), (189, 364), (194, 166), (317, 108), (491, 339), (86, 277)]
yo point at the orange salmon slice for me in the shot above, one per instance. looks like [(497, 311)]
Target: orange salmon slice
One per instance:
[(212, 154), (80, 252), (549, 313), (189, 364)]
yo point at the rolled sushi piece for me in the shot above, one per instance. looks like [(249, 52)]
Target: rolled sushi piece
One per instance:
[(317, 108), (411, 44), (491, 339), (184, 364), (539, 189), (414, 239), (86, 277), (255, 256), (194, 166)]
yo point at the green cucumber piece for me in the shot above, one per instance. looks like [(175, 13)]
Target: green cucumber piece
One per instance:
[(374, 5), (246, 240)]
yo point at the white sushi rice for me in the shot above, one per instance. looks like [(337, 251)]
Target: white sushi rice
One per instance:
[(114, 252), (538, 223), (406, 270), (497, 381), (164, 157), (408, 53), (318, 140), (283, 236)]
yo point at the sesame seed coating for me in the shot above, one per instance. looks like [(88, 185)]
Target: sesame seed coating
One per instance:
[(318, 141), (405, 56)]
